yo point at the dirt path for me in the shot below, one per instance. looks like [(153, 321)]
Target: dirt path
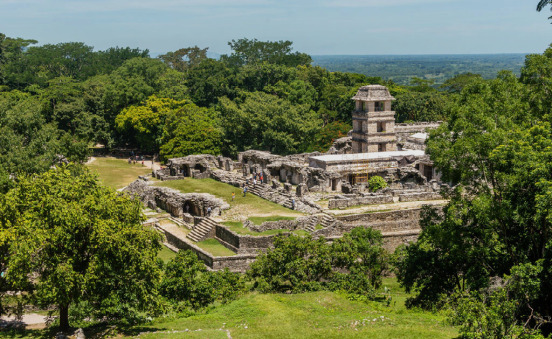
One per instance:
[(30, 320), (386, 207)]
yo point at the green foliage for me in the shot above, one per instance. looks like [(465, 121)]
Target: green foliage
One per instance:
[(191, 130), (457, 83), (247, 52), (70, 239), (173, 128), (184, 59), (324, 139), (542, 4), (502, 311), (353, 264), (537, 75), (296, 264), (266, 122), (497, 147), (376, 183), (187, 282), (28, 144), (361, 253), (421, 106)]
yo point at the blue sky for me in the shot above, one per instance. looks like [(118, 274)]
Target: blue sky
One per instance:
[(315, 27)]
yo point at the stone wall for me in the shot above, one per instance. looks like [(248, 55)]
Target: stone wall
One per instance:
[(175, 202), (235, 263), (365, 200), (300, 223), (419, 196), (392, 240), (243, 243), (389, 221)]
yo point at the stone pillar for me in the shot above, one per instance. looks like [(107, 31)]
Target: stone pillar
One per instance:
[(301, 190), (245, 170), (287, 187), (283, 175)]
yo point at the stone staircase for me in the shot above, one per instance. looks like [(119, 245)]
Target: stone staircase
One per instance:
[(265, 191), (288, 204), (311, 227), (201, 231), (327, 220)]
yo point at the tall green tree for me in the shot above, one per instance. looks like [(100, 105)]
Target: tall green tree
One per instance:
[(266, 122), (70, 239), (252, 51), (185, 59)]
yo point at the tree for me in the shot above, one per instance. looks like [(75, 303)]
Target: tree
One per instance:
[(542, 4), (11, 50), (191, 130), (247, 52), (296, 264), (187, 281), (28, 144), (184, 59), (536, 73), (143, 124), (324, 139), (421, 106), (71, 239), (266, 122), (173, 128), (361, 254), (457, 83)]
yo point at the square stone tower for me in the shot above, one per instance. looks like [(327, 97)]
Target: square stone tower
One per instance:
[(373, 120)]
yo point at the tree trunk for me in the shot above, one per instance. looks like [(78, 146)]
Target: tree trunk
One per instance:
[(64, 317)]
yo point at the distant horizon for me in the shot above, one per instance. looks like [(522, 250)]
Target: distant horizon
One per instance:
[(156, 54), (322, 27)]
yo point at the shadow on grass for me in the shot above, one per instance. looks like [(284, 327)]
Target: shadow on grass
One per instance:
[(95, 331)]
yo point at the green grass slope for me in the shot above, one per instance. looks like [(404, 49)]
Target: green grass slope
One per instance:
[(308, 315)]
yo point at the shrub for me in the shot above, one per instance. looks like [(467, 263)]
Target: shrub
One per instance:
[(187, 282), (376, 182), (353, 264), (296, 264)]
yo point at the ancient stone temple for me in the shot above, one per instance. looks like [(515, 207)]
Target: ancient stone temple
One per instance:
[(373, 120)]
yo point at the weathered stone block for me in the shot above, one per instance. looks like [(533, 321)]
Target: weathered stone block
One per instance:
[(301, 190)]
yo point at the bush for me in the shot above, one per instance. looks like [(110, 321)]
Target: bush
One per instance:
[(296, 264), (362, 255), (187, 283), (376, 182), (353, 264)]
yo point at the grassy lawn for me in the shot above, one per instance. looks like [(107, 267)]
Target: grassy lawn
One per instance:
[(307, 315), (260, 220), (116, 173), (166, 254), (214, 247), (250, 205)]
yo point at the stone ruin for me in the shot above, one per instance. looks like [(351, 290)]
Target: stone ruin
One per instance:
[(180, 205), (375, 146)]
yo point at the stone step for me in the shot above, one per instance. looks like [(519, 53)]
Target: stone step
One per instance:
[(200, 231), (311, 226)]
